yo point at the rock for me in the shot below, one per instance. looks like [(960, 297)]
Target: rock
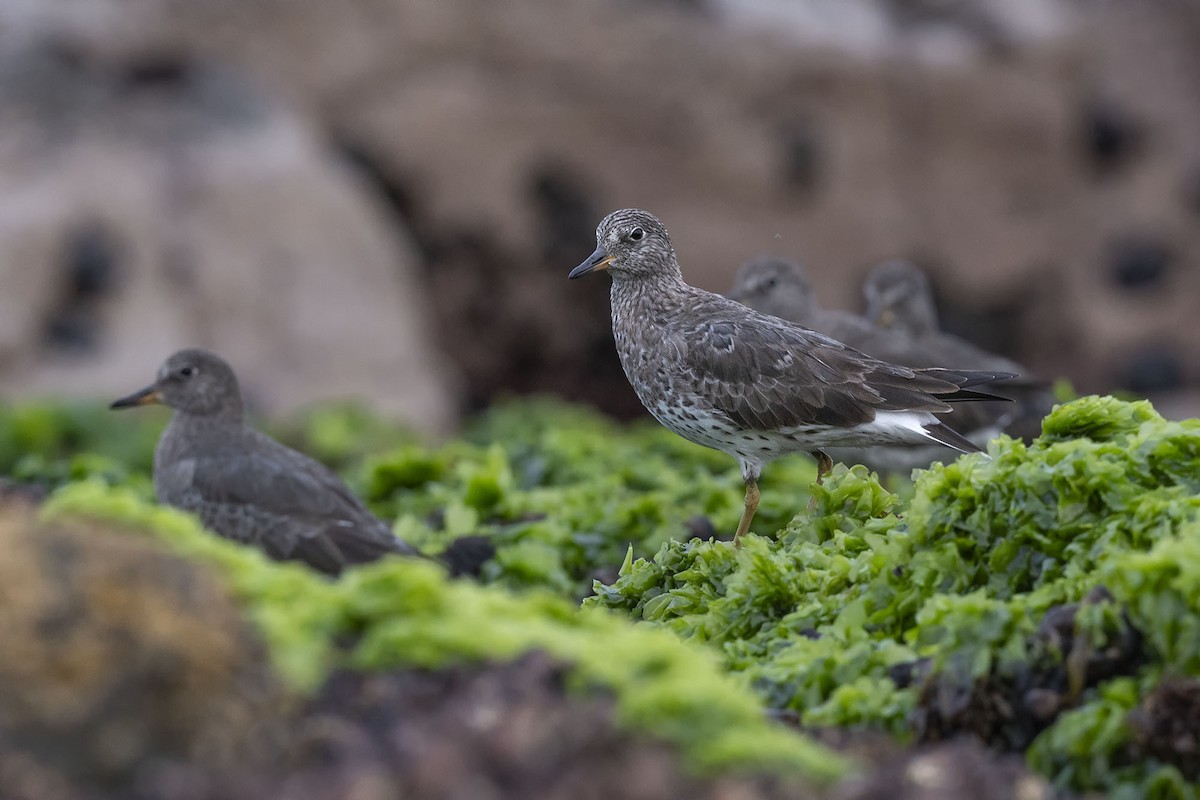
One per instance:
[(119, 656), (1138, 262), (182, 207), (741, 143), (1010, 705), (1166, 725), (494, 731), (948, 772), (1152, 367), (1110, 139), (516, 731)]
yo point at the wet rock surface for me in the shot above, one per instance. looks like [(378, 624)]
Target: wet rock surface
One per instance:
[(509, 731)]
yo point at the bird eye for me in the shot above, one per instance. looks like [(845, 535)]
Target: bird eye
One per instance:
[(636, 234), (187, 372), (770, 283)]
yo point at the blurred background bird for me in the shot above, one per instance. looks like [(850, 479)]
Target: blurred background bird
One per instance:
[(899, 294)]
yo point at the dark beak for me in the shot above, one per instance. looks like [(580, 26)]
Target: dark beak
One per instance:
[(596, 261), (143, 398)]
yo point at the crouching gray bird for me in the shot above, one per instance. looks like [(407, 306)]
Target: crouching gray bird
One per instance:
[(246, 486)]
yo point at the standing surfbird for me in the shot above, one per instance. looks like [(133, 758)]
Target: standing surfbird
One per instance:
[(246, 486), (752, 385), (780, 288)]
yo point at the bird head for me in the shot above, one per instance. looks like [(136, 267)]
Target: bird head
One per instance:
[(774, 286), (631, 244), (193, 381)]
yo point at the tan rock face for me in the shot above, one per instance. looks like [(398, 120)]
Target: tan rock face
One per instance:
[(957, 134), (231, 226)]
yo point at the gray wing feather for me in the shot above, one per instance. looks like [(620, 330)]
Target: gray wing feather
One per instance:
[(302, 510), (765, 373)]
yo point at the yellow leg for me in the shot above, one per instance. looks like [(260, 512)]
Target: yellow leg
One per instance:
[(824, 467), (748, 511)]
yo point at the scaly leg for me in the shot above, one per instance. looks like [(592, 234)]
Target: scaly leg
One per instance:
[(748, 511), (824, 467)]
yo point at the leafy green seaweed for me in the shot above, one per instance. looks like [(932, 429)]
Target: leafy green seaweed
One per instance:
[(855, 613), (958, 580)]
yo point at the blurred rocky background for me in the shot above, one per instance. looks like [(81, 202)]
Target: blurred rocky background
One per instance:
[(381, 198)]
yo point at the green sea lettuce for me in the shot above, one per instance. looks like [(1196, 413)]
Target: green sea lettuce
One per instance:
[(840, 614)]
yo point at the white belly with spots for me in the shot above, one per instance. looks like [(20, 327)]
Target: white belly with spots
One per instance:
[(719, 433)]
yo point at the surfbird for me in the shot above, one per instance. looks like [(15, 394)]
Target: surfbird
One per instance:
[(780, 288), (246, 486), (749, 384), (900, 301), (899, 298), (777, 286)]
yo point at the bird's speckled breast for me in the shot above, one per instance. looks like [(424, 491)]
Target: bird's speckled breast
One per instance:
[(645, 327)]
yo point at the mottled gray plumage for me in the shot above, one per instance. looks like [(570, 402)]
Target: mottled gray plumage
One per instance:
[(246, 486), (749, 384)]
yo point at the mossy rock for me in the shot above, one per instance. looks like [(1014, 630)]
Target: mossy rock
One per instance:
[(118, 653), (402, 612)]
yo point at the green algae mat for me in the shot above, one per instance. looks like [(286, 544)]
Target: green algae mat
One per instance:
[(1044, 598)]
